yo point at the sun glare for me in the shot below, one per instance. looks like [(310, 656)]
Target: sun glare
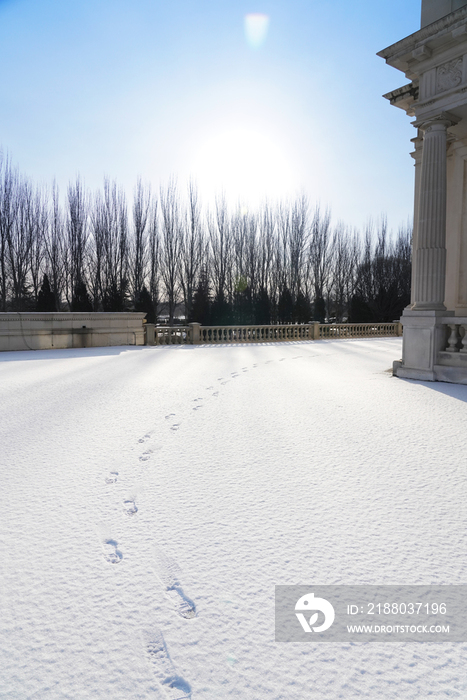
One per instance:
[(256, 29), (248, 166)]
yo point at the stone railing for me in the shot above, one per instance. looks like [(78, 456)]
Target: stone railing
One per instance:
[(195, 334), (254, 334), (175, 335), (449, 353), (453, 351), (359, 330)]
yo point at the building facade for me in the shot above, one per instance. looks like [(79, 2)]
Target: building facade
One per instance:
[(434, 59)]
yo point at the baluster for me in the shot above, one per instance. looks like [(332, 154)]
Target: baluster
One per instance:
[(452, 341), (464, 337)]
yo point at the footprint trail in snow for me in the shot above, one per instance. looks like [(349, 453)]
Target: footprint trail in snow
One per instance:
[(173, 685), (129, 506), (111, 553), (168, 572)]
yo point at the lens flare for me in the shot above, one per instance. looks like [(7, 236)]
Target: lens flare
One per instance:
[(256, 29), (247, 165)]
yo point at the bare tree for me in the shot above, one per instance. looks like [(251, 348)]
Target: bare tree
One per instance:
[(9, 203), (192, 247), (55, 248), (19, 242), (110, 247), (171, 245), (38, 221), (265, 247), (220, 236), (154, 256), (261, 265), (298, 240), (319, 252), (139, 244), (342, 268), (77, 234)]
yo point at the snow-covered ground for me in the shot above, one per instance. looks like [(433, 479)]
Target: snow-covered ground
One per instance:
[(153, 497)]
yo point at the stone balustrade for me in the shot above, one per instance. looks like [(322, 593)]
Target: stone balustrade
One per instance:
[(43, 331), (175, 335), (455, 339), (195, 334), (360, 330), (254, 334), (451, 360)]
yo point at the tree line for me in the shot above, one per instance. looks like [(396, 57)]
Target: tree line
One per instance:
[(163, 252)]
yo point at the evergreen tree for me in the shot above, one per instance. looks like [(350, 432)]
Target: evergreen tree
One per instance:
[(115, 297), (201, 307), (81, 300), (302, 309), (285, 306), (221, 311), (45, 298), (359, 310), (243, 303), (263, 308), (319, 310), (144, 304)]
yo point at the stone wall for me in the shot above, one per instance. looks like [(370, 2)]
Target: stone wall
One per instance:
[(432, 10), (45, 331)]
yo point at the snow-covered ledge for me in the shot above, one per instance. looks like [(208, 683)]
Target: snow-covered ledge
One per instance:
[(44, 331)]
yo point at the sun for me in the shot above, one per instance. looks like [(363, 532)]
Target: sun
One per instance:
[(246, 165)]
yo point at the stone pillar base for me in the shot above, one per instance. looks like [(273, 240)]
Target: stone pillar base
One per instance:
[(424, 337)]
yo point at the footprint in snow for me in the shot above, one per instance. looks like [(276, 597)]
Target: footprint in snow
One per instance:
[(175, 426), (111, 478), (216, 393), (146, 437), (173, 685), (168, 573), (282, 359), (196, 408), (170, 415), (146, 455), (129, 506), (111, 553), (208, 388), (226, 382)]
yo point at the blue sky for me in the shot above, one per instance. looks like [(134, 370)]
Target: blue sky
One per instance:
[(159, 89)]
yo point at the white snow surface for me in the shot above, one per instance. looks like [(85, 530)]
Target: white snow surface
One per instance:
[(153, 497)]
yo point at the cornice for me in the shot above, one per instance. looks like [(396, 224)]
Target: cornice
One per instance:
[(392, 54)]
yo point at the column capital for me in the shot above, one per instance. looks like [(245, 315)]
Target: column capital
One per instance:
[(443, 120)]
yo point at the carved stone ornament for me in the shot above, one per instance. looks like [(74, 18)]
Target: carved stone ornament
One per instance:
[(449, 75)]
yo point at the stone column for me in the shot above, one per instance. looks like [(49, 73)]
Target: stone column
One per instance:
[(430, 275)]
